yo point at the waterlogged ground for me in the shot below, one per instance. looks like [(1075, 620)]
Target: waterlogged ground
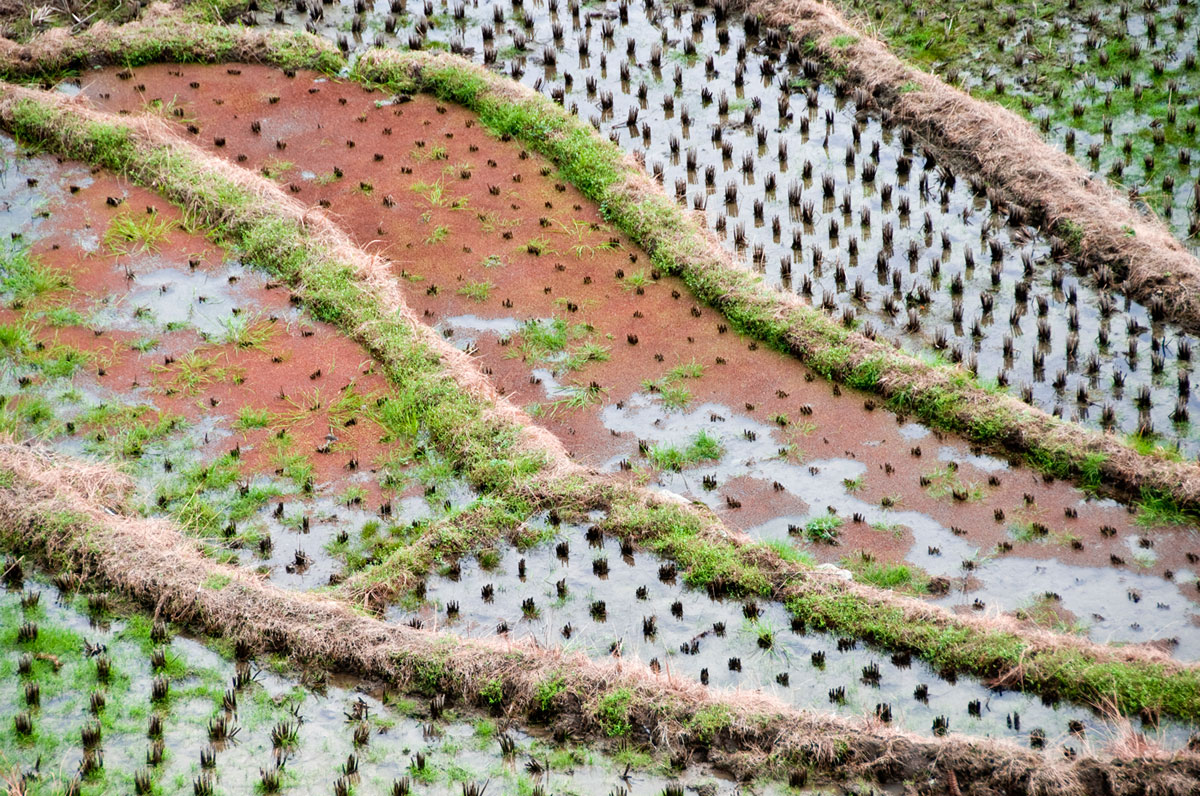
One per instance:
[(855, 214), (586, 592), (129, 336), (109, 699), (1114, 84), (569, 320)]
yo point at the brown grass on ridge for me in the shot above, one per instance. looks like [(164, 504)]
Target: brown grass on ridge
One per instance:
[(787, 578), (1007, 151), (51, 509)]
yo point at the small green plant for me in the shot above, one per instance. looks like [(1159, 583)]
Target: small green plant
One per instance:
[(435, 194), (539, 245), (247, 331), (134, 233), (492, 692), (249, 417), (823, 529), (144, 345), (944, 482), (547, 692), (638, 279), (24, 278), (477, 291), (439, 234), (276, 168), (670, 388), (897, 577), (612, 712)]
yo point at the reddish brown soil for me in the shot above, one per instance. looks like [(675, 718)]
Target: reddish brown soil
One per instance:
[(383, 151), (303, 361)]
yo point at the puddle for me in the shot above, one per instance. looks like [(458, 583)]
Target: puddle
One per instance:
[(933, 235), (700, 638), (325, 722), (608, 330)]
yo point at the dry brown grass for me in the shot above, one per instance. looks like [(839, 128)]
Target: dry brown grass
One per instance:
[(1008, 152), (47, 511), (702, 259), (787, 579), (162, 33), (374, 275)]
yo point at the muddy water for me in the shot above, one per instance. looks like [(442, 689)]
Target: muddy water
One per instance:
[(232, 410), (488, 243), (1098, 41), (461, 748), (596, 598), (927, 229)]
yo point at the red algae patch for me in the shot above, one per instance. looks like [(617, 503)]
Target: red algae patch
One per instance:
[(203, 376), (570, 320)]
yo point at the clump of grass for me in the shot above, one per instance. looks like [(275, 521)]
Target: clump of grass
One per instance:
[(702, 447), (945, 482), (823, 529), (246, 331), (896, 577), (546, 341), (24, 277), (477, 291), (439, 234), (136, 233), (670, 387), (250, 418)]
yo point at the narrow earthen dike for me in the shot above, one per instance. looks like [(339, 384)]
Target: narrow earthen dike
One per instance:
[(1010, 154), (73, 516), (66, 125)]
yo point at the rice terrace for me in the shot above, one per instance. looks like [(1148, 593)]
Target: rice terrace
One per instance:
[(611, 398)]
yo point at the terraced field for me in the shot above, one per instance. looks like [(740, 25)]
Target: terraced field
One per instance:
[(375, 424)]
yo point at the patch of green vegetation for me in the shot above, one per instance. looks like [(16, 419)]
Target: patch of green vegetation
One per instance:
[(216, 582), (670, 387), (24, 278), (436, 195), (701, 448), (895, 577), (823, 529), (944, 482), (250, 418), (477, 291), (709, 721), (136, 233), (63, 316), (247, 331), (1155, 509), (612, 712)]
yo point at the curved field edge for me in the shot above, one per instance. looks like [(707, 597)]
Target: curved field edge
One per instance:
[(163, 35), (1085, 212), (494, 448), (939, 394), (70, 515)]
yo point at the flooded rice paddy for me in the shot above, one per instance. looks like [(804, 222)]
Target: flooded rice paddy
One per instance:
[(831, 201)]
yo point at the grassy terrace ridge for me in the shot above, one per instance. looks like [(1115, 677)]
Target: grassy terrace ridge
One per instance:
[(491, 451), (939, 394), (70, 516), (1088, 214), (162, 36)]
